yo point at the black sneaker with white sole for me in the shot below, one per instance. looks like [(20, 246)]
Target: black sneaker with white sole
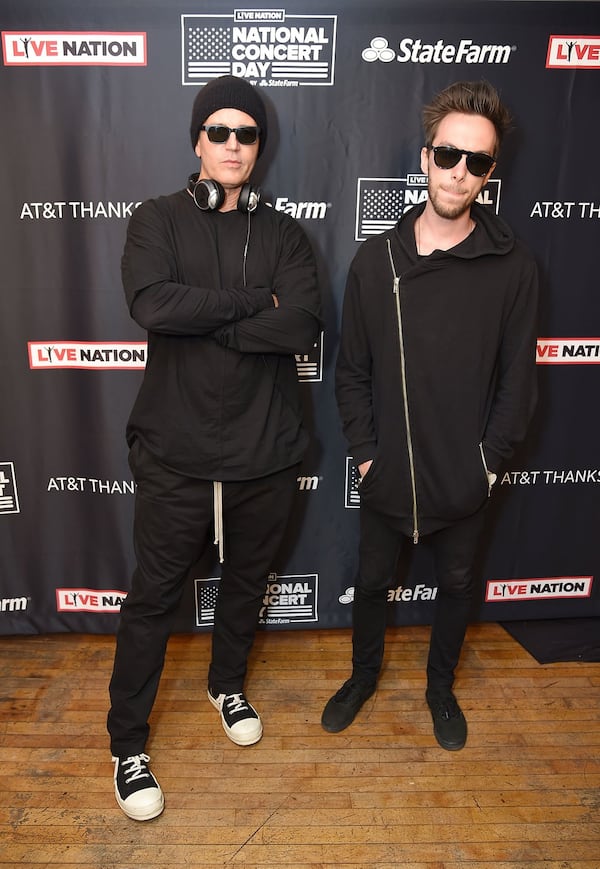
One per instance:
[(241, 722), (137, 791)]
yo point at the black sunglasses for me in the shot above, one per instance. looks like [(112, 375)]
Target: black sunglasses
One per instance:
[(478, 163), (218, 133)]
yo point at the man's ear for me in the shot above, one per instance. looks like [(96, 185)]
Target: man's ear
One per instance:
[(487, 177), (425, 160)]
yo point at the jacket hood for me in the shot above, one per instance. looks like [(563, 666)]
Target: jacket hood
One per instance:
[(493, 235)]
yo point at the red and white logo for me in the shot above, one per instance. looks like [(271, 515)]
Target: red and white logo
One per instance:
[(546, 588), (87, 600), (67, 48), (568, 351), (105, 355), (566, 52)]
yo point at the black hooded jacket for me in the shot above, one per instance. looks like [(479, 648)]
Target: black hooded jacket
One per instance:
[(436, 374), (220, 397)]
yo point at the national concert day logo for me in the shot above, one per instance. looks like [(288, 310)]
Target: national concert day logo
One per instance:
[(66, 48), (264, 45), (310, 365), (380, 202), (352, 484), (572, 52), (287, 600), (9, 499)]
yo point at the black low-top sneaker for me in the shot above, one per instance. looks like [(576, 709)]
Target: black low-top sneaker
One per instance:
[(137, 791), (241, 722), (341, 709), (449, 723)]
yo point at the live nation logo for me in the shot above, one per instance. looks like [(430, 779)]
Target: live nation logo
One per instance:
[(70, 48), (87, 600), (503, 590), (569, 52), (264, 45), (108, 355), (380, 202), (568, 351), (91, 354)]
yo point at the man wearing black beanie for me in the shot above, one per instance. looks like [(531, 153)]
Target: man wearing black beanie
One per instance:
[(226, 288)]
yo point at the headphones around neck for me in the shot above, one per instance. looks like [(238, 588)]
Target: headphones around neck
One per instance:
[(209, 195)]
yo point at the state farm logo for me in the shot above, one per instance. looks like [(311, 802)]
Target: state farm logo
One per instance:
[(416, 51), (87, 600), (568, 351), (64, 48), (503, 590), (567, 52), (93, 354), (264, 45), (400, 594), (380, 202), (302, 210)]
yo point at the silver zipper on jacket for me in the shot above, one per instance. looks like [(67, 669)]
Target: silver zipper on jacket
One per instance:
[(411, 460)]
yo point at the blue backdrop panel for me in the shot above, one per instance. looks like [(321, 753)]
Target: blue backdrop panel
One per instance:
[(95, 102)]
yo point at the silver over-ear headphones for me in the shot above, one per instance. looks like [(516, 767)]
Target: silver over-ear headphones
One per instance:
[(209, 195)]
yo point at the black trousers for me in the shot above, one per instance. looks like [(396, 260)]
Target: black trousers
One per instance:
[(454, 549), (173, 526)]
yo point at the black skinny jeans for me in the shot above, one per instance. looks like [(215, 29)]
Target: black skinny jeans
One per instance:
[(454, 548)]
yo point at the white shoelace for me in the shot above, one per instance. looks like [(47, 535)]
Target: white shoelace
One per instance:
[(135, 771), (235, 703)]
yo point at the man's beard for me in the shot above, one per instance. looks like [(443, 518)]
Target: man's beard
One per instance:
[(448, 211)]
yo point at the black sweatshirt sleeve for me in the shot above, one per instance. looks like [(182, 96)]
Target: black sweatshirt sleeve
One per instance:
[(353, 387), (516, 389), (158, 301), (294, 326)]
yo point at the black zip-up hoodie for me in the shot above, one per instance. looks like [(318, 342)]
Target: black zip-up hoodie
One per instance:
[(220, 398), (436, 376)]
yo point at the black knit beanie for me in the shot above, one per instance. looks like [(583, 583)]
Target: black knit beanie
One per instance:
[(229, 92)]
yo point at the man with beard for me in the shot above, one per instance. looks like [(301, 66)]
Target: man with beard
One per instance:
[(435, 384)]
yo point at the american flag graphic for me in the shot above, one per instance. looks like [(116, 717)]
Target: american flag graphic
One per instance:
[(380, 204), (206, 598), (352, 484), (207, 52)]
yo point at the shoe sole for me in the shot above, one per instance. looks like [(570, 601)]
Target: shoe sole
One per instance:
[(235, 739), (449, 746), (152, 811)]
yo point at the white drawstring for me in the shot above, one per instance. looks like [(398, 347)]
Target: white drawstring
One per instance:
[(218, 517)]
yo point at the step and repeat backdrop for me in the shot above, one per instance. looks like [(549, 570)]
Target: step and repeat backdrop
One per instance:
[(95, 101)]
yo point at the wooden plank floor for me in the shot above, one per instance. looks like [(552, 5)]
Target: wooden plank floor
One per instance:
[(525, 792)]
